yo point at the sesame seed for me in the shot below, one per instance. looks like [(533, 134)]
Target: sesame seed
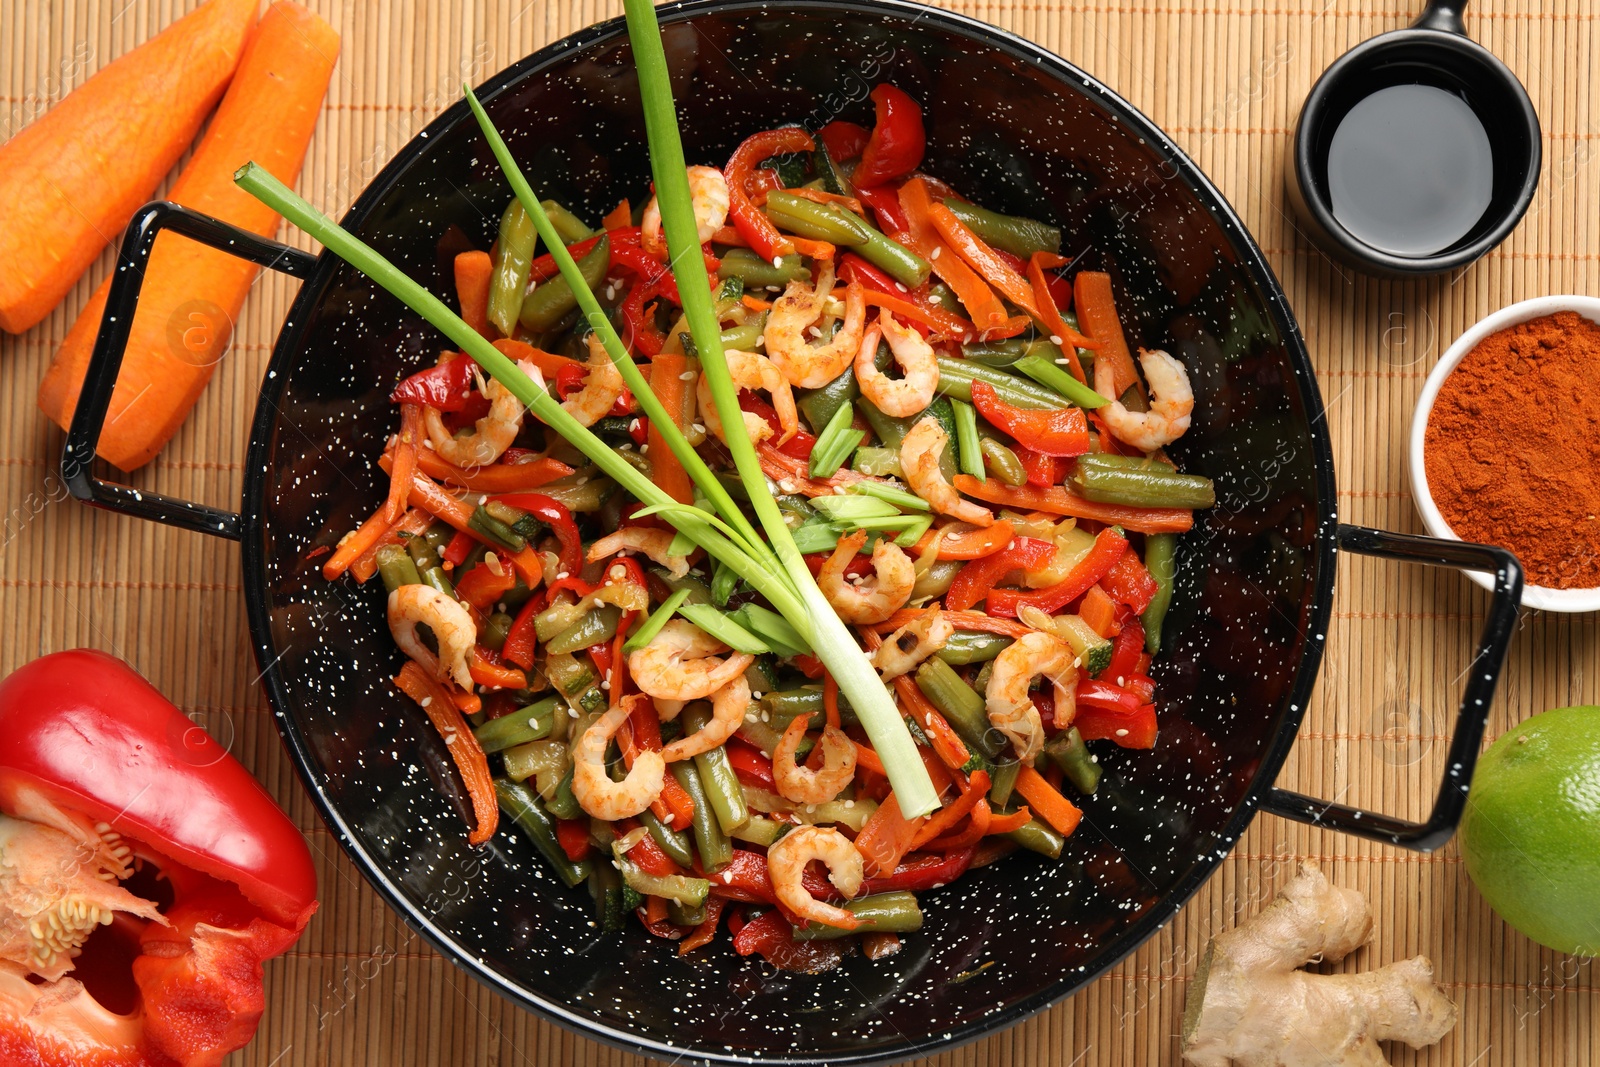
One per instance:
[(935, 253), (1055, 339), (687, 376)]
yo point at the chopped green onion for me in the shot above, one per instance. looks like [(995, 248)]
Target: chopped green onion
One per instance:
[(850, 508), (721, 626), (837, 440), (914, 531), (815, 537), (1051, 376), (898, 497), (650, 627), (723, 583), (774, 629), (969, 449)]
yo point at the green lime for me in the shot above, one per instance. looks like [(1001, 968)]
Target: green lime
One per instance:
[(1531, 832)]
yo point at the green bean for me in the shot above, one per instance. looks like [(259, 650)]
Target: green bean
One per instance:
[(1002, 462), (678, 845), (1161, 560), (439, 535), (709, 840), (829, 222), (820, 405), (960, 705), (1068, 752), (551, 300), (426, 556), (680, 887), (970, 646), (894, 259), (605, 889), (879, 462), (396, 568), (523, 725), (508, 278), (1002, 782), (1155, 487), (1018, 235), (597, 626), (956, 377), (1040, 837), (895, 912), (564, 804), (766, 736), (996, 353), (755, 272), (570, 228), (1050, 375), (785, 704), (531, 817), (716, 774), (496, 531)]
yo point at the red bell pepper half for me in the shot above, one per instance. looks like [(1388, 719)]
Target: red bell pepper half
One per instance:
[(1063, 432), (897, 142), (98, 772)]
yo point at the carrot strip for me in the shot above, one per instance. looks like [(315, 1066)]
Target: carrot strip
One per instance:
[(405, 461), (1048, 804), (977, 826), (495, 478), (667, 382), (619, 216), (947, 744), (787, 470), (730, 237), (830, 698), (867, 758), (754, 303), (1004, 824), (192, 293), (677, 801), (814, 249), (431, 497), (947, 323), (981, 258), (354, 543), (1099, 611), (473, 273), (1070, 340), (655, 911), (413, 521), (1059, 500), (886, 837), (1097, 314), (440, 704), (549, 363), (947, 817), (974, 293), (72, 179), (961, 620), (487, 672), (974, 543)]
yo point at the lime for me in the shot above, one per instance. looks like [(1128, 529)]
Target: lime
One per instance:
[(1531, 832)]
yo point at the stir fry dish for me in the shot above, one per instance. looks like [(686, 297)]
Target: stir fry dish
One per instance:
[(954, 437)]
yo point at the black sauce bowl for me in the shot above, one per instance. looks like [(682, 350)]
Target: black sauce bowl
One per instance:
[(1435, 50)]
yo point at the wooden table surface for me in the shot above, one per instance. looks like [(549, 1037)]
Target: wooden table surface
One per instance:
[(1225, 78)]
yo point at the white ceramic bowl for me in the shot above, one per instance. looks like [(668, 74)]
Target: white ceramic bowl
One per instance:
[(1533, 596)]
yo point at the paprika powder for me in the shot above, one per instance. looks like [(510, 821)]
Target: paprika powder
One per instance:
[(1512, 449)]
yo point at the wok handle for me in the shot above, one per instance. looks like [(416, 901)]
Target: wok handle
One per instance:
[(1475, 701), (111, 342)]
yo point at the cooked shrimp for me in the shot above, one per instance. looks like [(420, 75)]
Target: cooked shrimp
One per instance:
[(796, 313), (919, 460), (652, 543), (1011, 710), (1171, 404), (683, 663), (867, 600), (452, 628), (728, 706), (919, 368), (599, 393), (906, 648), (490, 436), (807, 785), (593, 788), (788, 858), (753, 371), (709, 190)]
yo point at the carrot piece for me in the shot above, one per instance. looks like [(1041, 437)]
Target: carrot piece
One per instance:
[(666, 381), (981, 258), (655, 911), (974, 293), (819, 196), (431, 497), (813, 249), (405, 461), (413, 521), (1050, 316), (71, 180), (886, 837), (1004, 824), (549, 363), (495, 478), (974, 543), (192, 294), (354, 543), (730, 237), (977, 826), (1099, 611), (678, 802), (947, 323), (947, 744), (1097, 314), (830, 698), (950, 815), (754, 303), (961, 620), (486, 672), (619, 216), (1060, 500), (473, 274), (867, 757), (441, 705), (1048, 804)]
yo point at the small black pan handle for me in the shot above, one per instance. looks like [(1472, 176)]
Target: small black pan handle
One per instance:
[(89, 419), (1475, 701), (1444, 15)]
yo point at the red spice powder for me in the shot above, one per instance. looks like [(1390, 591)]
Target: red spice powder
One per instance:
[(1513, 448)]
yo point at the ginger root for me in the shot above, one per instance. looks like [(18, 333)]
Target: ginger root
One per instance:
[(1250, 1003)]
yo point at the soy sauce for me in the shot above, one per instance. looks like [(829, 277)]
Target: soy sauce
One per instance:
[(1410, 170)]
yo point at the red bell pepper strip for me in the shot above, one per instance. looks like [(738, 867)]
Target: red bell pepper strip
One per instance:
[(843, 140), (1061, 500), (1120, 719), (749, 764), (521, 638), (897, 142), (922, 871), (573, 836), (460, 547), (1042, 470), (507, 476), (464, 749), (976, 579), (1048, 292), (445, 386), (1130, 582), (884, 201), (1063, 432), (1109, 546), (772, 937), (752, 224), (1125, 652), (706, 930), (86, 743), (640, 332), (486, 669), (482, 587), (1097, 314), (554, 514)]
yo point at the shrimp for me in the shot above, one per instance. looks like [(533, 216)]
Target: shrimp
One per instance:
[(913, 391), (653, 543), (786, 863), (452, 628), (709, 190), (599, 393), (593, 788), (728, 707), (919, 460), (1171, 404), (867, 600), (1011, 710), (751, 370), (682, 663), (490, 436), (903, 650), (809, 366), (803, 785)]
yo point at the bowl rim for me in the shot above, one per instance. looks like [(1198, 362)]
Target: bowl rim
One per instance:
[(1276, 745), (1533, 596)]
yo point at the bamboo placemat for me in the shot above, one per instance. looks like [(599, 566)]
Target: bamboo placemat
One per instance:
[(1225, 79)]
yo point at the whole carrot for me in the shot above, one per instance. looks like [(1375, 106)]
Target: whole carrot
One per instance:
[(192, 294), (71, 181)]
